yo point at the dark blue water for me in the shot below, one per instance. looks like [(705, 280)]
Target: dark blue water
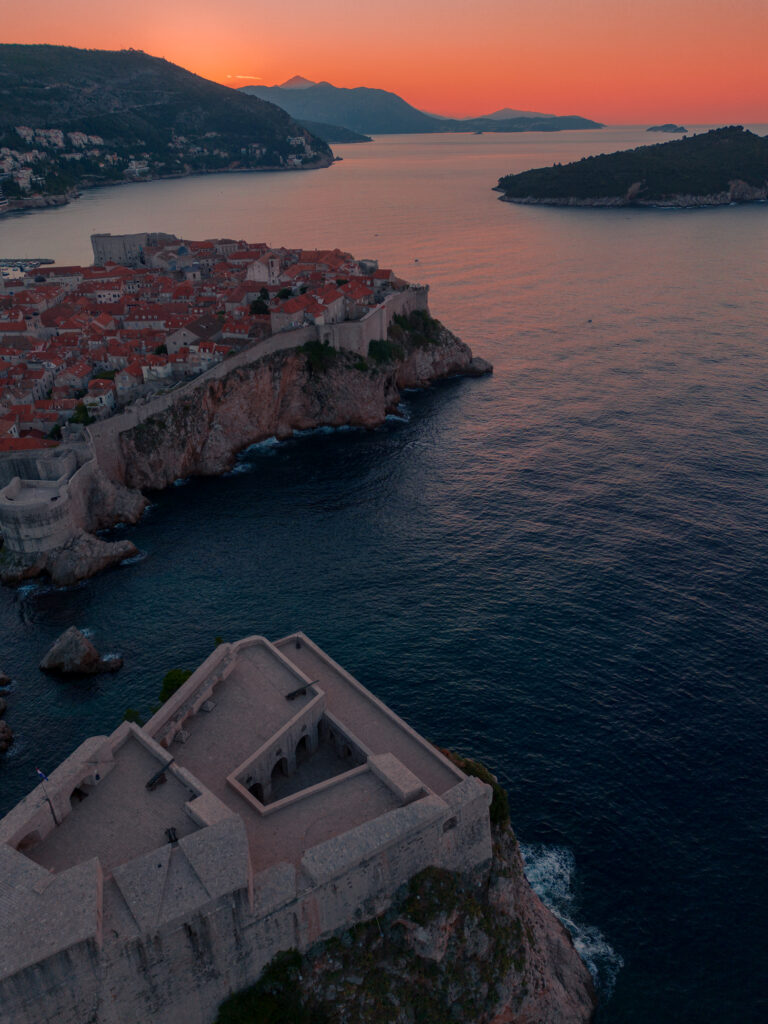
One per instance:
[(561, 570)]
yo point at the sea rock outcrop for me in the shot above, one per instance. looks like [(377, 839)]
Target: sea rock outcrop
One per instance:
[(4, 679), (86, 555), (82, 556), (74, 654)]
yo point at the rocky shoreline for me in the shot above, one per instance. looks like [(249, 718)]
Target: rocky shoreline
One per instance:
[(206, 426), (481, 949), (739, 192), (203, 432), (39, 202)]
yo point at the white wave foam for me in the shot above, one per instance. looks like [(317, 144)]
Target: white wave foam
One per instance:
[(551, 871), (260, 446), (181, 481), (133, 559), (239, 468)]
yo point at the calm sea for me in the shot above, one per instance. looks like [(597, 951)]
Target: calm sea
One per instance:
[(560, 570)]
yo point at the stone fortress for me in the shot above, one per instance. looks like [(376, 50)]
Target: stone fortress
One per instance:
[(270, 802), (49, 497)]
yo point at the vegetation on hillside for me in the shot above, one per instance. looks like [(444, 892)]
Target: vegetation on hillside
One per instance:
[(150, 116), (701, 165)]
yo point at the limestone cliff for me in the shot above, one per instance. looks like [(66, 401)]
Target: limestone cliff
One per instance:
[(199, 431), (477, 949), (298, 389)]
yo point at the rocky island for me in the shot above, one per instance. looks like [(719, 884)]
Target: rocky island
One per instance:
[(669, 128), (72, 118), (168, 358), (727, 165)]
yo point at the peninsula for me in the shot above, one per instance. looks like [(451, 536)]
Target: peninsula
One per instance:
[(723, 166), (72, 118), (273, 813), (168, 357)]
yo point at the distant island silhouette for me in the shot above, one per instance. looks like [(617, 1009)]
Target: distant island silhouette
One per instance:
[(378, 112), (672, 129), (722, 166)]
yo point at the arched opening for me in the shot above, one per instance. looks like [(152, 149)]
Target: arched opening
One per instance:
[(281, 768), (257, 790), (302, 750)]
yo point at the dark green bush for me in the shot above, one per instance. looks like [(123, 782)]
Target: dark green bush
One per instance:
[(385, 351), (172, 681), (274, 999)]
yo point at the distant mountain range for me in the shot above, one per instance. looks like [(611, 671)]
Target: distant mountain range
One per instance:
[(72, 118), (378, 112)]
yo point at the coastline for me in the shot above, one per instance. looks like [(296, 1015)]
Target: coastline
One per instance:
[(677, 202), (199, 430), (52, 201)]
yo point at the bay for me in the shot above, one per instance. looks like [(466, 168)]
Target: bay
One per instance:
[(560, 570)]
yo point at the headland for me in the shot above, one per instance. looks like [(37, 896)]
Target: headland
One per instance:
[(168, 357), (74, 118)]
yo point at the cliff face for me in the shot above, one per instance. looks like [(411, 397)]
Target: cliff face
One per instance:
[(295, 390), (479, 949), (203, 428)]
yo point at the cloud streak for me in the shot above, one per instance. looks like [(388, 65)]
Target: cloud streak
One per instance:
[(252, 78)]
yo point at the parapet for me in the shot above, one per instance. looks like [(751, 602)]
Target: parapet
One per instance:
[(272, 801)]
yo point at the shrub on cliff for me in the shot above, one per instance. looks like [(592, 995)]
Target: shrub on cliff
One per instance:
[(385, 351), (274, 999), (320, 357), (172, 681), (499, 808)]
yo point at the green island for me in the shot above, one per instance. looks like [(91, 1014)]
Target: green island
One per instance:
[(73, 118), (722, 166)]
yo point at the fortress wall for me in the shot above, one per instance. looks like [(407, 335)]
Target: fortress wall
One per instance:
[(352, 335), (181, 971), (63, 989), (356, 335), (45, 464), (35, 527)]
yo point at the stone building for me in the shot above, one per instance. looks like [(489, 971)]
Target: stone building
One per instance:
[(271, 802)]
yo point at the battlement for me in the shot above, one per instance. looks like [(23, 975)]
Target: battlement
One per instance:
[(272, 801)]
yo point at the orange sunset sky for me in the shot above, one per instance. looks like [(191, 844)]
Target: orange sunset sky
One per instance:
[(621, 62)]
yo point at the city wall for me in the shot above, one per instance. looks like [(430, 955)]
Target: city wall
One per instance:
[(46, 497), (352, 335)]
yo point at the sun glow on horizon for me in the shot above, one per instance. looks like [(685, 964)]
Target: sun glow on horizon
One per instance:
[(691, 60)]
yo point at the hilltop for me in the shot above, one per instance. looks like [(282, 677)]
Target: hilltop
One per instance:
[(721, 166), (378, 112), (72, 118)]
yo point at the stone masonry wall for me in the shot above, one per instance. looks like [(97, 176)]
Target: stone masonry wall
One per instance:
[(180, 971)]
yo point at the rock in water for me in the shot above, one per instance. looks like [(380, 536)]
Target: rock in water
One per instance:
[(74, 654), (3, 705), (6, 737), (85, 555), (4, 679)]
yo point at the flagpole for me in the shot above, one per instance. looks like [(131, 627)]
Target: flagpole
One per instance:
[(45, 791)]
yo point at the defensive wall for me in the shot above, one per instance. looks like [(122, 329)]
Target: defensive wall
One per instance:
[(39, 494), (44, 496), (150, 876), (350, 335)]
